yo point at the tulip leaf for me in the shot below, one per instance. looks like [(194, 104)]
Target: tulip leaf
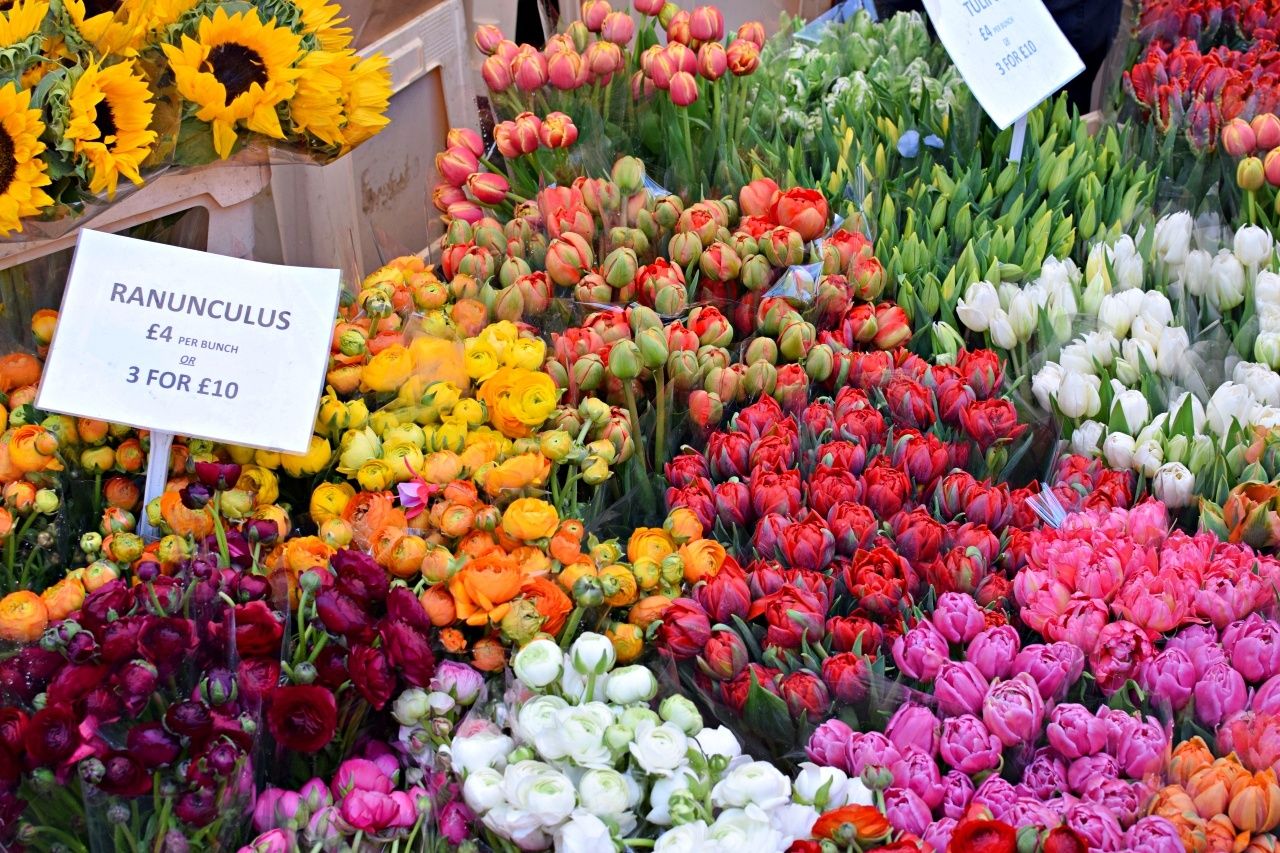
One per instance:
[(767, 714)]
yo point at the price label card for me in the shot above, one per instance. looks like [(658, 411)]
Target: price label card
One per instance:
[(1010, 52), (180, 341)]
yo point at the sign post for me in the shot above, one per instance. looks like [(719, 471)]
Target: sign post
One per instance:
[(182, 342), (1010, 52)]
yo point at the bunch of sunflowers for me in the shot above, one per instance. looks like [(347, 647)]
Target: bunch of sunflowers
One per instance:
[(93, 92)]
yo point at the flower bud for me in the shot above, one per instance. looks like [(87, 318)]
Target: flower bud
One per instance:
[(628, 174), (1238, 138), (624, 360), (653, 348), (1250, 174), (681, 711)]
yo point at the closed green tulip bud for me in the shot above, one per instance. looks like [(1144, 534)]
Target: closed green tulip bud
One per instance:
[(458, 232), (653, 348), (647, 226), (588, 372), (512, 269), (667, 212), (670, 299), (820, 362), (761, 378), (762, 349), (1202, 454), (624, 360), (619, 268), (726, 382), (795, 340), (756, 273), (491, 238), (685, 249), (683, 369), (1177, 449), (508, 304), (628, 174), (643, 317)]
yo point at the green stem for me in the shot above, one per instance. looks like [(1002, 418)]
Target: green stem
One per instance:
[(635, 423), (688, 142), (221, 534), (571, 628), (22, 532), (660, 444)]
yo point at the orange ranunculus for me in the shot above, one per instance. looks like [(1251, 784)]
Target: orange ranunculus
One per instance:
[(477, 543), (651, 543), (383, 541), (627, 639), (91, 431), (436, 563), (533, 561), (552, 603), (277, 516), (23, 617), (443, 466), (18, 369), (528, 519), (122, 492), (97, 575), (19, 496), (387, 370), (369, 512), (483, 588), (462, 492), (570, 574), (469, 315), (438, 359), (130, 456), (702, 559), (565, 548), (6, 523), (304, 553), (32, 448), (1187, 758), (8, 471), (619, 584), (453, 641), (1210, 787), (518, 472), (648, 610), (63, 598), (867, 822), (405, 559), (343, 378), (336, 533), (43, 322), (197, 523), (439, 606), (489, 655), (1255, 802), (683, 525), (456, 520)]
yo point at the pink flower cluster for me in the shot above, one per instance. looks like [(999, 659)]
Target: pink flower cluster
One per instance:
[(1112, 582)]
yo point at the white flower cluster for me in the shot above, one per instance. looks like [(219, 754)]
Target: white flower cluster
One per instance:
[(582, 773), (1010, 314)]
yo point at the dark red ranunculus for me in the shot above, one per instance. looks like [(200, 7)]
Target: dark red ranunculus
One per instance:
[(983, 836), (189, 718), (344, 616), (403, 606), (105, 604), (805, 846), (371, 674), (887, 487), (166, 641), (805, 695), (331, 667), (360, 576), (258, 629), (13, 724), (848, 677), (408, 650), (197, 808), (137, 678), (152, 745), (990, 421), (258, 678), (119, 640), (1064, 839), (983, 370), (105, 706), (124, 775), (302, 717), (74, 682), (52, 736), (685, 628), (724, 596)]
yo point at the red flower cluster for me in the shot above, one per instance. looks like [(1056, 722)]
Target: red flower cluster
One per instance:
[(1209, 21)]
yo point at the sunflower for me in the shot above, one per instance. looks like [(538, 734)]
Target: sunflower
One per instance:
[(22, 20), (368, 93), (316, 108), (110, 124), (238, 69), (22, 171), (320, 19), (105, 25)]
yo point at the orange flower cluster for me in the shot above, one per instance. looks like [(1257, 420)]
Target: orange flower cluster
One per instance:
[(1218, 804)]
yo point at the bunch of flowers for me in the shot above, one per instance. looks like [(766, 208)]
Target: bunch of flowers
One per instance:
[(1218, 802), (90, 96), (534, 148), (605, 74)]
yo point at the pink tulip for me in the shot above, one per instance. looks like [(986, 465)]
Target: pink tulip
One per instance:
[(993, 651), (744, 57), (487, 38), (914, 727), (264, 810), (488, 188), (662, 68), (456, 164), (1075, 732), (1266, 129), (958, 617), (443, 195), (706, 23), (713, 60), (1220, 693), (565, 71), (684, 89), (496, 72), (650, 7), (559, 43), (920, 652), (1169, 677), (465, 137), (558, 131), (1014, 711), (752, 31), (642, 87), (529, 70), (466, 211), (906, 811), (1080, 625), (1271, 167), (618, 28), (603, 59), (678, 29), (960, 688), (957, 793), (594, 12), (870, 749), (275, 841), (828, 743), (1121, 649), (682, 58), (528, 131), (968, 746)]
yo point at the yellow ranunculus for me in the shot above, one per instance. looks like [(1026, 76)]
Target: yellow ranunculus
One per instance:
[(239, 455), (451, 436), (385, 420), (315, 460), (482, 359), (438, 359), (357, 414), (376, 475), (404, 458), (529, 519), (358, 447), (501, 332), (261, 482), (387, 370), (528, 353), (470, 412), (518, 472), (267, 459), (653, 543), (439, 398), (534, 399), (405, 434), (329, 500)]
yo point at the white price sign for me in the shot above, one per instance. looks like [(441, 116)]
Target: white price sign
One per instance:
[(1010, 52), (178, 341)]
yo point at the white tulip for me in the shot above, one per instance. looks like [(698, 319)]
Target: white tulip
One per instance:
[(1023, 315), (539, 663), (1231, 403), (1265, 417), (1078, 396), (482, 790), (823, 787), (1266, 288), (718, 741), (1154, 431), (1092, 297), (1153, 305), (682, 713), (687, 838), (1260, 379), (1114, 314), (1046, 382), (1102, 346), (1148, 457), (1118, 449), (1057, 276), (1174, 484), (631, 684), (1144, 331), (1002, 334), (1007, 290), (1268, 317), (1253, 245), (1075, 357), (1132, 405), (1226, 281), (1173, 238), (592, 653), (536, 716), (1171, 352), (1266, 349), (1195, 272), (1129, 273), (584, 833), (660, 750), (1037, 292), (1096, 265), (1085, 439), (605, 791), (482, 749), (980, 301)]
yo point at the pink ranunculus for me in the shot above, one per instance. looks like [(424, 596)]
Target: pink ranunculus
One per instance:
[(370, 811), (360, 774), (273, 841)]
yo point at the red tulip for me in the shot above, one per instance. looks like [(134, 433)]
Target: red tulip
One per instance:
[(803, 210)]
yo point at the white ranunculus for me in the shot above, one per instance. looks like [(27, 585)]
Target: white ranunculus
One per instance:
[(1266, 288), (573, 685), (745, 829), (440, 703), (1023, 315), (980, 301), (483, 749), (604, 791), (1260, 379), (539, 663), (682, 713), (1230, 403), (688, 838), (758, 782), (1002, 334), (1226, 281), (661, 792), (579, 735), (659, 750), (1253, 245), (1148, 456), (517, 777), (411, 706), (1078, 396), (1174, 484), (482, 790), (1171, 352), (551, 796), (1266, 349), (584, 833), (1087, 438), (631, 684), (1117, 449), (1046, 382), (537, 716), (1132, 405), (718, 741), (592, 653), (823, 787), (1195, 272), (1173, 238), (793, 820), (518, 826)]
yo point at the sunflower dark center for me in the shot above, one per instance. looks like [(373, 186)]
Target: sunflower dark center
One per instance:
[(97, 7), (236, 67), (8, 164), (106, 120)]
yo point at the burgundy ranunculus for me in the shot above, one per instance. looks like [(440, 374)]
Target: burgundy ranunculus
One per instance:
[(52, 736), (345, 616), (125, 776), (152, 745), (197, 808), (685, 628), (302, 717), (403, 606), (137, 678), (105, 604), (258, 678), (371, 674), (119, 640), (13, 724), (105, 706), (360, 576), (331, 667), (74, 681), (258, 630), (166, 641), (189, 719), (409, 651)]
